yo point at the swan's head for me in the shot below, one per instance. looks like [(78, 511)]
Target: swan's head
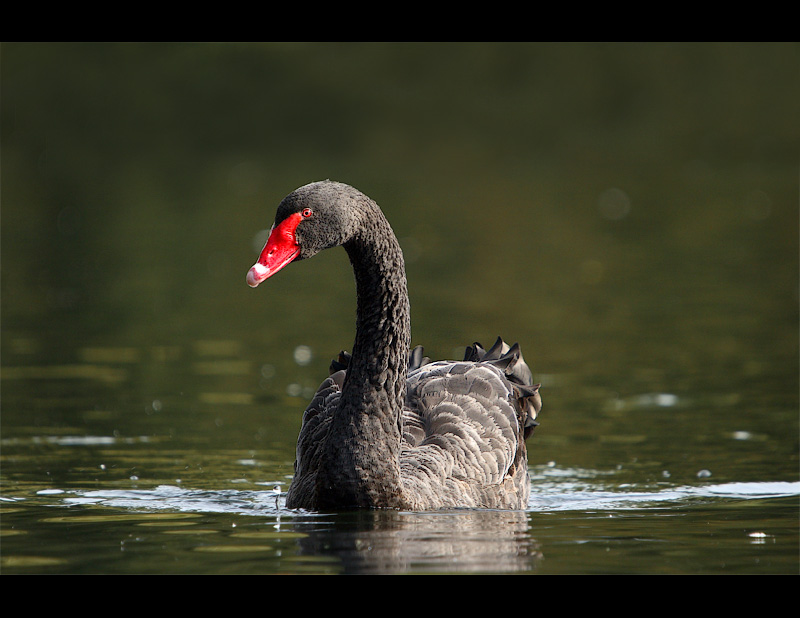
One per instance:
[(314, 217)]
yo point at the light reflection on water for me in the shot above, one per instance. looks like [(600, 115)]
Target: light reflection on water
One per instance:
[(550, 492), (218, 523)]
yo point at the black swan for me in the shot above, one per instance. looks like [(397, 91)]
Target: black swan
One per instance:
[(389, 428)]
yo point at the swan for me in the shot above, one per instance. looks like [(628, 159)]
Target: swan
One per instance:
[(389, 428)]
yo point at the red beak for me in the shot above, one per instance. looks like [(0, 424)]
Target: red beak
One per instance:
[(281, 248)]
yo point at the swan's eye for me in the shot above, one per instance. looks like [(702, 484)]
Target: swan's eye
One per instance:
[(306, 212)]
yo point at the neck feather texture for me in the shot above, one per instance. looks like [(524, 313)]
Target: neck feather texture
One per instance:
[(364, 445), (383, 327)]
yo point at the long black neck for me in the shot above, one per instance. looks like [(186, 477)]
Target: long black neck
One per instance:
[(363, 457), (383, 324)]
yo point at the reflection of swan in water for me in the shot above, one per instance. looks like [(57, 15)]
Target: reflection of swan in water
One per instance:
[(366, 541), (461, 541)]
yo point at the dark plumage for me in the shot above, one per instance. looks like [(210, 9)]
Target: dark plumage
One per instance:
[(389, 428)]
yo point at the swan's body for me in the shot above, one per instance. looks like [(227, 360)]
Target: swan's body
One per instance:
[(386, 431)]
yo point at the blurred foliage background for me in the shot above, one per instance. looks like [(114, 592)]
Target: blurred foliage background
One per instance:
[(617, 207)]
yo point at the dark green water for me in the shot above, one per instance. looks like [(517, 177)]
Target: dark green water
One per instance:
[(628, 213)]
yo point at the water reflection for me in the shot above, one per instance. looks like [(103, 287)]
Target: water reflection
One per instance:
[(386, 542), (362, 542), (390, 542), (252, 531)]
